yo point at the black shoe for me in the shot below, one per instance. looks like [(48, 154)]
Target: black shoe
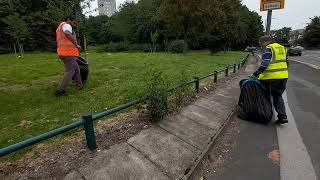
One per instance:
[(282, 121), (59, 93)]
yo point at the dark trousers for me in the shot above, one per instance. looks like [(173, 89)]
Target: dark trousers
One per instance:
[(275, 89), (71, 70)]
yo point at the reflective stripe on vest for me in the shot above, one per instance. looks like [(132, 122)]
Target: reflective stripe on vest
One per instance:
[(64, 46), (278, 68)]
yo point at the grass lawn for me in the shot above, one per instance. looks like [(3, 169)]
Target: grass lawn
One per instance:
[(27, 85)]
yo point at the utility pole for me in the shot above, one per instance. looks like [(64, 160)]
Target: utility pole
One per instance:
[(269, 18)]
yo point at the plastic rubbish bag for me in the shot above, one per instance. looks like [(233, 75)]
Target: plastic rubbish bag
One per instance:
[(254, 103), (84, 68)]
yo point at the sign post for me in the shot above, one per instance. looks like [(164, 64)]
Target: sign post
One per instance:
[(269, 5), (269, 17)]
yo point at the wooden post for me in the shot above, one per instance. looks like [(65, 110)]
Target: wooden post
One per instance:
[(85, 46)]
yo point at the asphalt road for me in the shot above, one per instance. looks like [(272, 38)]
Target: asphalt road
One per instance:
[(311, 57), (253, 150)]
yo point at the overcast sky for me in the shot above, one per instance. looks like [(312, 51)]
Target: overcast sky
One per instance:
[(296, 13)]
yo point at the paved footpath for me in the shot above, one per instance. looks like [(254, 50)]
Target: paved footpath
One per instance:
[(171, 148)]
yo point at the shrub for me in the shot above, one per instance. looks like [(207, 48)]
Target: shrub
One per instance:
[(124, 46), (178, 46), (157, 103), (215, 44), (116, 47)]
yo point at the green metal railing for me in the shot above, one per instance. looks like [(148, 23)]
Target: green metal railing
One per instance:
[(87, 120)]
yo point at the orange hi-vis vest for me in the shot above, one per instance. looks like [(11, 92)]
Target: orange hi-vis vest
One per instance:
[(64, 46)]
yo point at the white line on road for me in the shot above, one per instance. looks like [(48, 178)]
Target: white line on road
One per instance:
[(308, 64), (295, 162)]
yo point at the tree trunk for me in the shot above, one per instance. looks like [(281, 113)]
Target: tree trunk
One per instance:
[(15, 49)]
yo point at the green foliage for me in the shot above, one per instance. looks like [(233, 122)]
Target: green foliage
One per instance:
[(312, 33), (201, 24), (116, 47), (178, 46), (36, 21), (16, 28), (281, 35), (124, 46), (183, 92), (157, 102)]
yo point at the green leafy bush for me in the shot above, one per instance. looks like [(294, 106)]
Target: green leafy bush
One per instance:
[(157, 102), (178, 46), (116, 47)]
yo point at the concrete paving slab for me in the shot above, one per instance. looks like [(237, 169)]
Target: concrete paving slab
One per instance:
[(204, 116), (190, 131), (120, 162), (214, 106), (170, 153), (226, 100)]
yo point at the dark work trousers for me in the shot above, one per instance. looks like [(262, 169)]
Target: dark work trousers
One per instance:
[(275, 88), (71, 69)]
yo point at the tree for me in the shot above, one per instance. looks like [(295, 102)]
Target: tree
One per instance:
[(312, 33), (39, 18), (281, 35), (17, 30)]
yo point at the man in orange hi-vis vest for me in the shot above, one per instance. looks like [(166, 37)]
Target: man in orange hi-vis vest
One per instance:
[(68, 51)]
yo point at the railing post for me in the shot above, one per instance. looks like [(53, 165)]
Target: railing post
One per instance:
[(89, 131), (239, 66), (197, 84), (215, 80), (234, 68), (227, 71)]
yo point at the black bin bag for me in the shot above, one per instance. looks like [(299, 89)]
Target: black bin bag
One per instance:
[(254, 102), (84, 68)]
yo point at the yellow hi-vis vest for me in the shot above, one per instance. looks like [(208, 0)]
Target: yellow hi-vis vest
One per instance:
[(278, 67)]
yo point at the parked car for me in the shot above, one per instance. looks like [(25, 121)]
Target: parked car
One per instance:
[(300, 47), (295, 51)]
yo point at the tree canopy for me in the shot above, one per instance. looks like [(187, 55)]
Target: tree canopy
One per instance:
[(213, 24), (281, 35), (312, 33)]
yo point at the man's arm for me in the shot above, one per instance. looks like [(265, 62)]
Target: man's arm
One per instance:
[(73, 40), (67, 29), (266, 59)]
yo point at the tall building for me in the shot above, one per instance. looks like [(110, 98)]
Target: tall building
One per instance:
[(107, 7)]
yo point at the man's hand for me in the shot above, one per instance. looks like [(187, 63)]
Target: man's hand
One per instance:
[(253, 76), (79, 47)]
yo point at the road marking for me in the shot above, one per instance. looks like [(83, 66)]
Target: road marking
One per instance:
[(295, 162), (308, 64)]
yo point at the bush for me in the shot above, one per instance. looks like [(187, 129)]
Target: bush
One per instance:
[(215, 44), (178, 46), (140, 47), (157, 103), (124, 46), (116, 47)]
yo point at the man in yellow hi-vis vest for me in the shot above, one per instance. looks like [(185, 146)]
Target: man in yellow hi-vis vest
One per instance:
[(273, 73)]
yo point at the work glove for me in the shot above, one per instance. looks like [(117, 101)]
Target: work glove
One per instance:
[(253, 76)]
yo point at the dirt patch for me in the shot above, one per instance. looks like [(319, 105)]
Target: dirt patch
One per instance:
[(55, 160)]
